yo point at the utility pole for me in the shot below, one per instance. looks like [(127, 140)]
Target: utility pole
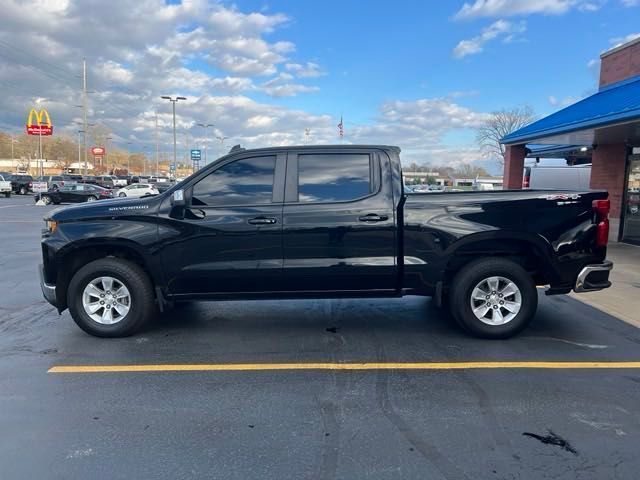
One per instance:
[(157, 149), (173, 103), (79, 149), (106, 154), (129, 158), (84, 111)]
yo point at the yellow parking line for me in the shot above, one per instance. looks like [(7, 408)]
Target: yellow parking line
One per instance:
[(231, 367)]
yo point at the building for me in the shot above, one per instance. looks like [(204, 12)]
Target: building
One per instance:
[(606, 125)]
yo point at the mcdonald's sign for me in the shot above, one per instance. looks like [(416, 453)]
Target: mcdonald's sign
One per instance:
[(39, 128)]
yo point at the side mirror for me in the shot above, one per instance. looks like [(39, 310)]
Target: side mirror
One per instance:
[(178, 204)]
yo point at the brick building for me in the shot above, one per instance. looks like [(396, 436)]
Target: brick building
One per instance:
[(607, 125)]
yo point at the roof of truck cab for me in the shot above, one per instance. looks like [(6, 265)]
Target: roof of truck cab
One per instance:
[(316, 147)]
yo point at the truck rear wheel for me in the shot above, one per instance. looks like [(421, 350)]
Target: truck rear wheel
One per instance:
[(110, 297), (493, 298)]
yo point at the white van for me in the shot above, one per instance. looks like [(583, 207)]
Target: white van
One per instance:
[(557, 178)]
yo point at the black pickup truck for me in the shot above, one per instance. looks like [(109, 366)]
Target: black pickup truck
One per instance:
[(322, 221)]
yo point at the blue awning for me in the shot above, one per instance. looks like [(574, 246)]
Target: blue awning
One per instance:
[(613, 104)]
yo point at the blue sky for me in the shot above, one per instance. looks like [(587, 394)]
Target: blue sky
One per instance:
[(419, 74), (403, 50)]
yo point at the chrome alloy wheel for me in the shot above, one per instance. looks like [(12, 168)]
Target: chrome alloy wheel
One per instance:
[(496, 300), (106, 300)]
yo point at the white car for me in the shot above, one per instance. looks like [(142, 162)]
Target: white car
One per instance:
[(5, 187), (138, 190)]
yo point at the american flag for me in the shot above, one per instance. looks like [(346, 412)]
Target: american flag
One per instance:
[(341, 128)]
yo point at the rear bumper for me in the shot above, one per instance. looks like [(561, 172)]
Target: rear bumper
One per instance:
[(48, 291), (593, 277)]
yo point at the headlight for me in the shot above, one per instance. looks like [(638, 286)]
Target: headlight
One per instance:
[(52, 225)]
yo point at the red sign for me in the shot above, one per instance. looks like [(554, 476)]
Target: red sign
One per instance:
[(98, 151), (39, 130), (37, 127)]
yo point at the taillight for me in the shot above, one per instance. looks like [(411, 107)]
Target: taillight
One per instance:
[(601, 209), (525, 182)]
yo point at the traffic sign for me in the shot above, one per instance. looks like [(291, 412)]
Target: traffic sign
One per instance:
[(172, 167), (196, 155), (98, 151)]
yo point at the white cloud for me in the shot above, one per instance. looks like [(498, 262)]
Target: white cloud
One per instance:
[(617, 41), (216, 56), (562, 102), (499, 28), (308, 70), (630, 3), (507, 8)]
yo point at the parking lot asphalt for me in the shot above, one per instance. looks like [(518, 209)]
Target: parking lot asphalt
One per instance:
[(317, 423)]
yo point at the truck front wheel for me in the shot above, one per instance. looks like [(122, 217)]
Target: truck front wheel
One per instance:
[(493, 298), (110, 297)]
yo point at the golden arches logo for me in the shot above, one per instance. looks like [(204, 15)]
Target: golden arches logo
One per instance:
[(38, 115), (38, 127)]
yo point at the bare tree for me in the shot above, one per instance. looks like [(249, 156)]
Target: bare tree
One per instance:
[(499, 124)]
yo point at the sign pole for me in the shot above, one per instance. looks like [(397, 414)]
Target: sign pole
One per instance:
[(40, 148)]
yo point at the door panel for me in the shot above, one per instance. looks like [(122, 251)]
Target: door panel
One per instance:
[(230, 240), (339, 223)]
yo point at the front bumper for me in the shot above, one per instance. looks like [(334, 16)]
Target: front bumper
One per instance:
[(48, 291), (593, 277)]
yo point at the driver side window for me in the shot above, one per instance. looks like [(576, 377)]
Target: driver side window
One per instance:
[(248, 181)]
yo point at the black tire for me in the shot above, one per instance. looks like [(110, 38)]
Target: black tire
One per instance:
[(7, 194), (46, 199), (122, 195), (91, 198), (130, 275), (470, 276)]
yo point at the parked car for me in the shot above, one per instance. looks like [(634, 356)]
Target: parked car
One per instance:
[(138, 190), (134, 179), (105, 181), (120, 180), (159, 179), (557, 178), (75, 193), (21, 183), (330, 221), (89, 179), (5, 187), (163, 186), (72, 178), (53, 181)]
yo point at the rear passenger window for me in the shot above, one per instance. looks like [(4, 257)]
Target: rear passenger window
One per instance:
[(334, 177), (244, 182)]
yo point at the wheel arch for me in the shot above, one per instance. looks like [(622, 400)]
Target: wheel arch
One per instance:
[(77, 254), (532, 252)]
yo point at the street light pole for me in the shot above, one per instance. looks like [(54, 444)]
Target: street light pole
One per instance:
[(206, 139), (173, 101), (222, 139)]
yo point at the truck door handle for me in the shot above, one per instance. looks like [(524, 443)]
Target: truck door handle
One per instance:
[(372, 217), (262, 221)]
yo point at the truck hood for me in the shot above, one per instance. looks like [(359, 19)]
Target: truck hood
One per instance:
[(119, 207)]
